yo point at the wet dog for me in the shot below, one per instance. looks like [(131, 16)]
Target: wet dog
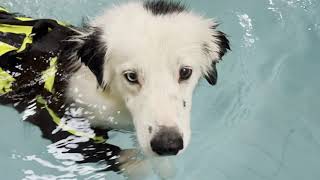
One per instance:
[(132, 68)]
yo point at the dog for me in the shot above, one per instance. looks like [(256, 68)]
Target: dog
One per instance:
[(133, 68)]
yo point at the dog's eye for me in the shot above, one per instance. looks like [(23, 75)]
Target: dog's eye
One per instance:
[(131, 77), (185, 73)]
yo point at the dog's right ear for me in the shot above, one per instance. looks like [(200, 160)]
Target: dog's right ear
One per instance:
[(88, 47), (212, 74), (93, 52), (217, 49)]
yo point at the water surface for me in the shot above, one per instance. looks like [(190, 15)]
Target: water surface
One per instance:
[(261, 121)]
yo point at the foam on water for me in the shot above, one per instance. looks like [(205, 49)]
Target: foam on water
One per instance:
[(261, 121)]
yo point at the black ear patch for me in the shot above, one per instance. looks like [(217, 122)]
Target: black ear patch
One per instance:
[(212, 75), (221, 40), (92, 53), (163, 7)]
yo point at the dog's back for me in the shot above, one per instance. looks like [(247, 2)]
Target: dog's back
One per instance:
[(34, 73), (28, 56)]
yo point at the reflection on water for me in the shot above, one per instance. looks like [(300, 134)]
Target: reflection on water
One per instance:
[(260, 122), (246, 23)]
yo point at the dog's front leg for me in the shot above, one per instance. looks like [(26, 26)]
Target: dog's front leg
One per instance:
[(135, 167)]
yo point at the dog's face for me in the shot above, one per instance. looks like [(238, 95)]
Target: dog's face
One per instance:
[(153, 56)]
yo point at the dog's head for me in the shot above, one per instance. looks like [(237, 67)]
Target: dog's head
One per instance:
[(151, 56)]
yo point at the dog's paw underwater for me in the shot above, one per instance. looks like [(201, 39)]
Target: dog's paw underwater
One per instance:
[(132, 68)]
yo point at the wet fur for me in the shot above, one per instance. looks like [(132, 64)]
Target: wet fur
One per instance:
[(87, 76)]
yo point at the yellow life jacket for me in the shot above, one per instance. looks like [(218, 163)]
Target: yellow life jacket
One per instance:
[(17, 37)]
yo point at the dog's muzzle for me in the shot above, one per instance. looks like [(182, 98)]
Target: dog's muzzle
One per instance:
[(168, 141)]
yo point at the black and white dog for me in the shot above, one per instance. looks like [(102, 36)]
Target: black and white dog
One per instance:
[(132, 68)]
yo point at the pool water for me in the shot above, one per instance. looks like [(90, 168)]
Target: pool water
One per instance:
[(261, 121)]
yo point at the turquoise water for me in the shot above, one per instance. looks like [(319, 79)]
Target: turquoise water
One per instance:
[(261, 121)]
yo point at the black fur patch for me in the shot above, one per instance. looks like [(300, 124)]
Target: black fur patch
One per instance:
[(163, 7), (92, 54), (223, 45), (212, 76)]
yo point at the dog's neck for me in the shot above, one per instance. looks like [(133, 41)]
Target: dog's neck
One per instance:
[(108, 111)]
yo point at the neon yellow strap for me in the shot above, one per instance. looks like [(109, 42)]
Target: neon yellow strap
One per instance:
[(16, 29), (24, 18), (3, 9), (27, 30), (57, 120), (49, 75), (4, 48), (6, 81)]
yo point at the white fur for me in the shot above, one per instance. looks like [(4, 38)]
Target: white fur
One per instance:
[(156, 47)]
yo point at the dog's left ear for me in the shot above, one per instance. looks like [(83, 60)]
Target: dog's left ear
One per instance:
[(86, 46), (219, 47), (93, 52)]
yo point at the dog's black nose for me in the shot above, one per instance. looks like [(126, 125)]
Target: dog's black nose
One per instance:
[(166, 142)]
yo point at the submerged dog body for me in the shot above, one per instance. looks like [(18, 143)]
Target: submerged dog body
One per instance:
[(135, 67)]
